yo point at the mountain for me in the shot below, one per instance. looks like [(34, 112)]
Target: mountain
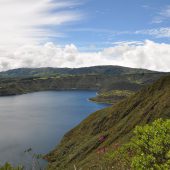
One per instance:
[(80, 145), (100, 78), (48, 71), (14, 86), (112, 96)]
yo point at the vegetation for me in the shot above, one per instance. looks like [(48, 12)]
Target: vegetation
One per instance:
[(152, 146), (117, 93), (83, 147), (49, 72), (8, 166), (102, 79), (148, 149), (32, 165), (112, 96)]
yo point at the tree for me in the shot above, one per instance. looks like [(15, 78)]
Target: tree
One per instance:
[(149, 148), (151, 144), (8, 166)]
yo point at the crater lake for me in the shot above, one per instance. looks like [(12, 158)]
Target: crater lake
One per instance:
[(35, 123)]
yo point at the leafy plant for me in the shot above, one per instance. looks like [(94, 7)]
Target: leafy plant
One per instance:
[(152, 146), (8, 166), (149, 149)]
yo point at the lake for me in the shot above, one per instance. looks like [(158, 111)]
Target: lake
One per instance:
[(38, 121)]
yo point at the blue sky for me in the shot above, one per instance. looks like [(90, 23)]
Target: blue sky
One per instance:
[(80, 33), (106, 21), (89, 24)]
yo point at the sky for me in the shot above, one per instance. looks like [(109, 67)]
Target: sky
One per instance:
[(81, 33)]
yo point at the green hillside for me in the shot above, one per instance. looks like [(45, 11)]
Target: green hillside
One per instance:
[(107, 79), (116, 123), (112, 96), (49, 71), (111, 82)]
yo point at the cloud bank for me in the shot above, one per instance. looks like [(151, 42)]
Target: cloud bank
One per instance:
[(147, 54), (30, 21), (163, 32)]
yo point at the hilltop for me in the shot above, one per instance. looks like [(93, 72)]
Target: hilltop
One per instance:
[(116, 123), (103, 79), (49, 71)]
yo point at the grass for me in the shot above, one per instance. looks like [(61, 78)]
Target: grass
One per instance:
[(112, 96), (79, 146)]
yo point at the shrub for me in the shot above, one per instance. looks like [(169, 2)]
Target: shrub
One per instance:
[(8, 166), (149, 149), (152, 146)]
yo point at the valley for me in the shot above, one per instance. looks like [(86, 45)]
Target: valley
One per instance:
[(104, 79), (115, 123), (137, 97)]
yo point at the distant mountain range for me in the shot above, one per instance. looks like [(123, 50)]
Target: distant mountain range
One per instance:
[(113, 79), (48, 71), (138, 97)]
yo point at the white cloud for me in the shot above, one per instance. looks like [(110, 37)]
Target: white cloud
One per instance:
[(166, 12), (149, 55), (163, 32), (28, 21), (162, 15), (128, 43)]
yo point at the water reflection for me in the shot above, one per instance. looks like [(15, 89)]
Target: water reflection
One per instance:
[(39, 120)]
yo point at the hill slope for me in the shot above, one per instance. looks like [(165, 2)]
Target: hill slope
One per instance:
[(49, 71), (99, 78), (79, 146)]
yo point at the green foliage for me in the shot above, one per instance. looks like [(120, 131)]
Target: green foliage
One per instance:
[(112, 96), (8, 166), (105, 78), (149, 149), (119, 159), (117, 93), (49, 71), (152, 146), (118, 121)]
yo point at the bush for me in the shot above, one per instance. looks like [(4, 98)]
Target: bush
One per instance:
[(8, 166), (152, 146), (149, 149)]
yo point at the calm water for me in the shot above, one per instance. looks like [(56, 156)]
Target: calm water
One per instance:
[(39, 120)]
